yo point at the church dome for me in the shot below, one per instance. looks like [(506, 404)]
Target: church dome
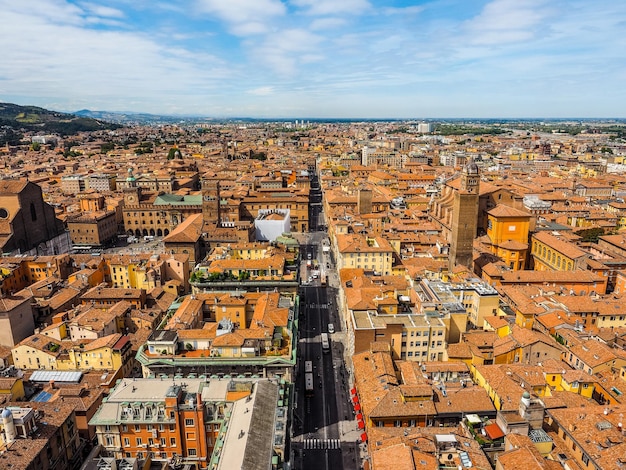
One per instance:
[(7, 413)]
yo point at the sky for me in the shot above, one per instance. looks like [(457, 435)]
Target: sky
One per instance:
[(318, 58)]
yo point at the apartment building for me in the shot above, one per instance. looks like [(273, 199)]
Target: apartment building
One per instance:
[(357, 251), (550, 252), (193, 421), (39, 436), (223, 333), (111, 352), (92, 228), (593, 435)]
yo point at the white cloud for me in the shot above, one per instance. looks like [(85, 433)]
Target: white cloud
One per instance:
[(332, 7), (262, 91), (412, 10), (326, 23), (507, 21), (99, 10), (96, 67), (244, 17)]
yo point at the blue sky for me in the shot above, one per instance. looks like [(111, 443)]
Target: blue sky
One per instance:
[(318, 58)]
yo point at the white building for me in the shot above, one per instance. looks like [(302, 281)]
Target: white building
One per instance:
[(272, 223)]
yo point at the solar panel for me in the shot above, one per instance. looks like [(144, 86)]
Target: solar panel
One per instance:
[(465, 460), (42, 397)]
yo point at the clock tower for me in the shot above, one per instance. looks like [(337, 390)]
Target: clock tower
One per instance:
[(465, 218), (132, 193)]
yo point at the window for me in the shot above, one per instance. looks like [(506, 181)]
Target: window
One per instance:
[(191, 436), (110, 440), (126, 442), (172, 442), (397, 423), (137, 428), (191, 452), (139, 441)]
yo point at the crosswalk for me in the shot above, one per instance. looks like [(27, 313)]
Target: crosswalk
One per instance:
[(322, 444)]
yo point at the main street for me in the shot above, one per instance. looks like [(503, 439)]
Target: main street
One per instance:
[(324, 431)]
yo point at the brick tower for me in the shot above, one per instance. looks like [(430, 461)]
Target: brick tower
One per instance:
[(465, 218)]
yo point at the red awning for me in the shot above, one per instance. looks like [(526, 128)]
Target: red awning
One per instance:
[(493, 431), (361, 425), (353, 391), (357, 407), (355, 399), (364, 437), (359, 416)]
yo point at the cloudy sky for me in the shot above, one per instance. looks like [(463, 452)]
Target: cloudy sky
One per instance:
[(318, 58)]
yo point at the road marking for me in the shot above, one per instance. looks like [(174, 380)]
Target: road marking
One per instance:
[(322, 444)]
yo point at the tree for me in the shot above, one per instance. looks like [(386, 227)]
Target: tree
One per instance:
[(35, 146)]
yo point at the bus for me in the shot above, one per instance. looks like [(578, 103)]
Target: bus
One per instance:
[(308, 378), (325, 343)]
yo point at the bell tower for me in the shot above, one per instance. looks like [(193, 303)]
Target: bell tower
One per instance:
[(465, 218), (211, 201)]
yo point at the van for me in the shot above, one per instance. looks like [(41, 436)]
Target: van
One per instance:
[(331, 328)]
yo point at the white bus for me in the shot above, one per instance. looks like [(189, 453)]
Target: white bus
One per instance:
[(325, 343)]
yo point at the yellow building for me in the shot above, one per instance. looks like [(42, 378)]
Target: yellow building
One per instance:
[(507, 229), (363, 252), (550, 253), (12, 389), (111, 352), (38, 351)]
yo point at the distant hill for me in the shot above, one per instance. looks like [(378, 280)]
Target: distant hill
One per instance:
[(134, 118), (32, 118)]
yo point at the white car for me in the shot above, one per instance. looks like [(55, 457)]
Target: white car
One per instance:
[(331, 328)]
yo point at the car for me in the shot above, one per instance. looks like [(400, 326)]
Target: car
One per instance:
[(308, 256), (331, 328)]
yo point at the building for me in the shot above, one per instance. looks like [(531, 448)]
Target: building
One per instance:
[(271, 224), (551, 252), (40, 436), (224, 333), (201, 422), (593, 435), (28, 225), (16, 318), (465, 218), (92, 228), (507, 231), (359, 251)]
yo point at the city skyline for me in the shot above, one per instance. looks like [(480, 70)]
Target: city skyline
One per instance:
[(317, 58)]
